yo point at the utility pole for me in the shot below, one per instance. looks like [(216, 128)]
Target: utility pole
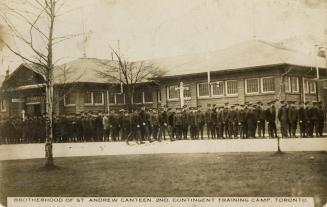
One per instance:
[(181, 89)]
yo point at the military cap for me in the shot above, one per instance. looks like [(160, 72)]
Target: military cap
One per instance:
[(232, 106), (246, 102), (208, 105), (178, 109), (226, 103), (221, 107), (236, 104), (314, 102), (185, 106), (199, 106), (165, 106)]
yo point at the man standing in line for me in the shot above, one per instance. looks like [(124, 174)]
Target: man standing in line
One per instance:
[(201, 121), (293, 118), (302, 120), (283, 119), (208, 120)]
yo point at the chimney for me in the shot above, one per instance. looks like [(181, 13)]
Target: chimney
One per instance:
[(7, 74)]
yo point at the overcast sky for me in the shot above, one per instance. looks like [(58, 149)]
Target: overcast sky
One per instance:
[(159, 28)]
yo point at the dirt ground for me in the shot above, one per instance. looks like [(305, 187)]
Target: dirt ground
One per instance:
[(214, 174)]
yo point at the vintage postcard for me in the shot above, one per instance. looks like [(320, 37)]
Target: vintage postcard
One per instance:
[(145, 103)]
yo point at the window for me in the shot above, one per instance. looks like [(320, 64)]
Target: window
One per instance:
[(159, 95), (312, 85), (120, 98), (98, 98), (112, 98), (252, 85), (3, 106), (88, 98), (287, 84), (325, 84), (70, 99), (231, 87), (148, 96), (138, 97), (173, 92), (203, 90), (295, 84), (306, 86), (291, 84), (218, 88), (187, 92), (268, 85)]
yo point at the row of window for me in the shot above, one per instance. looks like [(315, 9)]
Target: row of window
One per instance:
[(253, 86), (97, 98)]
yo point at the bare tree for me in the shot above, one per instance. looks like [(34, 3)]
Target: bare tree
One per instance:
[(128, 74), (39, 19)]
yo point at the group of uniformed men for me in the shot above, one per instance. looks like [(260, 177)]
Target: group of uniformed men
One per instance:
[(222, 122)]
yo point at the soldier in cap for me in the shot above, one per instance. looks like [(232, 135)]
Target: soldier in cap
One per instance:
[(232, 120), (163, 122), (219, 125), (214, 121), (144, 124), (251, 122), (135, 128), (99, 127), (321, 119), (178, 123), (193, 122), (171, 114), (302, 120), (185, 116), (315, 117), (114, 125), (293, 118), (209, 121), (307, 117), (125, 125), (283, 119), (155, 123), (106, 127), (201, 121), (261, 124), (225, 119), (271, 120)]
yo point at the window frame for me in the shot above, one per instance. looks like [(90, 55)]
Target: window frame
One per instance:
[(143, 95), (226, 88), (168, 93), (297, 84), (261, 83), (198, 89), (102, 98), (314, 83), (88, 104), (65, 102), (246, 86), (124, 98), (214, 84), (306, 86), (141, 98)]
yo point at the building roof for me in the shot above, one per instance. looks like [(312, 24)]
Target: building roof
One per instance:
[(249, 54)]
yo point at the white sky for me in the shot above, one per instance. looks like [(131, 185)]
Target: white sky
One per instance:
[(156, 28)]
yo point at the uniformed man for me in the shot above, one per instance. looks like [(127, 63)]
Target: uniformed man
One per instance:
[(293, 118), (302, 120), (225, 119), (315, 117), (164, 127), (261, 124), (214, 121), (307, 116), (135, 128), (232, 120), (209, 121), (178, 123), (185, 121), (155, 123), (114, 125), (144, 124), (322, 118), (201, 121), (283, 119), (251, 121), (125, 125), (219, 125), (193, 122), (271, 120), (241, 121)]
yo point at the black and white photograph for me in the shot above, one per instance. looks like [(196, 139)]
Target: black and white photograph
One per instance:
[(178, 99)]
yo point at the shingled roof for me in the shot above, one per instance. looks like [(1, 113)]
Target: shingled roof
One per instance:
[(249, 54)]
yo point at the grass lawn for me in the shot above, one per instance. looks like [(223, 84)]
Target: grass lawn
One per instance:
[(227, 174)]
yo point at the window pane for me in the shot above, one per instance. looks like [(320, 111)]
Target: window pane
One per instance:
[(306, 86), (287, 84), (232, 87), (268, 84), (294, 84), (312, 86), (252, 85), (88, 98), (173, 92), (98, 97), (187, 91), (218, 88), (70, 99), (148, 96), (112, 98), (203, 89), (120, 98), (137, 96)]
